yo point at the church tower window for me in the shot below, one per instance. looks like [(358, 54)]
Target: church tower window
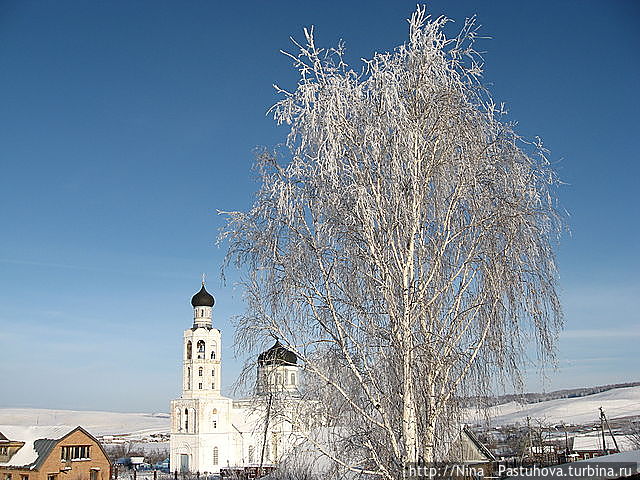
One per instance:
[(200, 372), (201, 349), (189, 350), (293, 379), (214, 418)]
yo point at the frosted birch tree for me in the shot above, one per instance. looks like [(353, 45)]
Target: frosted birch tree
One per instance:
[(401, 244)]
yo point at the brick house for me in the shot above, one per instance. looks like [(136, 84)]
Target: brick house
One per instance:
[(51, 453)]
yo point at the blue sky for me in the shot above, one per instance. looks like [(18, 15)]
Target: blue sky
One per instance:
[(124, 126)]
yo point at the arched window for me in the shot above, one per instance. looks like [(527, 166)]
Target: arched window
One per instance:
[(201, 349), (178, 419), (200, 372), (214, 418), (293, 379), (215, 455), (188, 378), (214, 347), (189, 350), (186, 420)]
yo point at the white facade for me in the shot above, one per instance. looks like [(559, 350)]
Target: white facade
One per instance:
[(210, 431)]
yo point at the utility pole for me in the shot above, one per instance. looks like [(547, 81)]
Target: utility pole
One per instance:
[(266, 429), (606, 420), (604, 443), (530, 439)]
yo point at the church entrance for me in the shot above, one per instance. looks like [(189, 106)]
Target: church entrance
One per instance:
[(184, 463)]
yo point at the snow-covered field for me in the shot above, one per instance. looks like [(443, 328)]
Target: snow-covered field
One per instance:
[(135, 425), (619, 402)]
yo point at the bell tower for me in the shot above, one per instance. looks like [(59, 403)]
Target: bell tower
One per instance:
[(201, 364), (201, 430)]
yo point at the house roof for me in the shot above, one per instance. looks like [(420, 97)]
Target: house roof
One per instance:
[(38, 443), (482, 448)]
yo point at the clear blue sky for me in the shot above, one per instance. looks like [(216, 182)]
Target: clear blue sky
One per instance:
[(124, 125)]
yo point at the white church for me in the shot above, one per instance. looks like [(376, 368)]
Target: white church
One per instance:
[(210, 431)]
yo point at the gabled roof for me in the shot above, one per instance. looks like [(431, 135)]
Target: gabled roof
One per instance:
[(482, 448), (38, 443)]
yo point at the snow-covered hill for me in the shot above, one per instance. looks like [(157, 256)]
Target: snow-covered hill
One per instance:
[(98, 423), (619, 402)]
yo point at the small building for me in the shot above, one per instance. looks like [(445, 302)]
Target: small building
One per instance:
[(51, 453), (590, 446)]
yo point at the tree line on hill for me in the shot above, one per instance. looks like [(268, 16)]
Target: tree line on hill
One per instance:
[(531, 397)]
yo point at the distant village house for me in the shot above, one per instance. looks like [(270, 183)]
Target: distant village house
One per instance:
[(51, 453)]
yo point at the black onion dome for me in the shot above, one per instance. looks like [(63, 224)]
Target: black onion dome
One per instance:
[(202, 298), (277, 355)]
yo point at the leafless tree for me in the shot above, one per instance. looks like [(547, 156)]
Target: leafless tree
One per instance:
[(401, 244), (634, 433), (119, 450)]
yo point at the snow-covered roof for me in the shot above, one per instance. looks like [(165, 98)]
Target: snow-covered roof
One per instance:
[(589, 443), (35, 442)]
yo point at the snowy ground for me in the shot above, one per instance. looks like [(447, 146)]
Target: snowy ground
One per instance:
[(619, 402), (134, 425)]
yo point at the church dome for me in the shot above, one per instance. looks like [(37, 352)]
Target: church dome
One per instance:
[(202, 298), (277, 355)]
